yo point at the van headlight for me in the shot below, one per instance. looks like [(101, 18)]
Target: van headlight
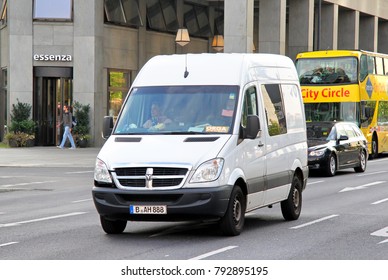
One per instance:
[(101, 173), (208, 171)]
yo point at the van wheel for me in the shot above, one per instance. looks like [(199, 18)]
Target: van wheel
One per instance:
[(292, 206), (362, 166), (112, 226), (331, 166), (233, 221)]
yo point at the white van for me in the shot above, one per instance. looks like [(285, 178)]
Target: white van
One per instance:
[(204, 136)]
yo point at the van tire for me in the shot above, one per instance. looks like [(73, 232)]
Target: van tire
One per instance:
[(292, 206), (112, 226), (232, 222)]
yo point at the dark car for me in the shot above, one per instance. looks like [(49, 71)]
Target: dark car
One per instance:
[(336, 145)]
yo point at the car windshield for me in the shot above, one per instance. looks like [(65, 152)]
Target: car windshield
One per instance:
[(321, 131), (179, 110), (335, 70)]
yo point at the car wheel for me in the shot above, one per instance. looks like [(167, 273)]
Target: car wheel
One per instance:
[(331, 166), (112, 226), (233, 221), (362, 166), (374, 148), (292, 206)]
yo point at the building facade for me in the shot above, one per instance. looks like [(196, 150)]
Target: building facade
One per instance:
[(56, 52)]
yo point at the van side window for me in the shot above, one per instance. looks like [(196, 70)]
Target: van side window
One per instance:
[(249, 105), (274, 109)]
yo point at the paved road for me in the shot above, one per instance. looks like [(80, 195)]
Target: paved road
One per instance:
[(48, 157)]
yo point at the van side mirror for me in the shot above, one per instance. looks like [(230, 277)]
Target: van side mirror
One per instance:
[(253, 127), (107, 127)]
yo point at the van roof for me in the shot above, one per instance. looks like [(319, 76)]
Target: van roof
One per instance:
[(215, 69)]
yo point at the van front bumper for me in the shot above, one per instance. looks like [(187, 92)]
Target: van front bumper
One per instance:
[(182, 204)]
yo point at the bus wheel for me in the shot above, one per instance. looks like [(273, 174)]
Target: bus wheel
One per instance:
[(233, 221), (374, 153)]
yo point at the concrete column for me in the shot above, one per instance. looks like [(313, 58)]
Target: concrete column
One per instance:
[(272, 26), (88, 71), (382, 46), (301, 27), (238, 26), (348, 29), (142, 59), (19, 70), (368, 33), (329, 27)]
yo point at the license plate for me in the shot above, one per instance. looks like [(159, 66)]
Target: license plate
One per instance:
[(148, 209)]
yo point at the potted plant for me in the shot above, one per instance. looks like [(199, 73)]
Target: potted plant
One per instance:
[(81, 129), (22, 128)]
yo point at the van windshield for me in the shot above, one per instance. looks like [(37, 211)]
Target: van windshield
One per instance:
[(179, 110)]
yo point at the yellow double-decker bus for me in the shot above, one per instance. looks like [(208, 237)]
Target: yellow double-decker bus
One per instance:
[(347, 85)]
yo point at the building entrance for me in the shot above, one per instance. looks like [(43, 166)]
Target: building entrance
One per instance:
[(53, 88)]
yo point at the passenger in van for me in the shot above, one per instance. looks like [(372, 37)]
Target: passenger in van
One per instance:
[(157, 120)]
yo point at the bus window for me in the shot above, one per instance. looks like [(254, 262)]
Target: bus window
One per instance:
[(367, 112), (382, 118), (367, 66), (379, 66), (386, 65), (334, 70)]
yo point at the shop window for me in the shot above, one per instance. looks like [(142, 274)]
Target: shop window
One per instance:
[(61, 10), (196, 20), (161, 15), (118, 86), (122, 12), (3, 15)]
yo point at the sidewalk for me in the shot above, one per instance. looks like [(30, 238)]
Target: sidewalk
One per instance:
[(48, 157)]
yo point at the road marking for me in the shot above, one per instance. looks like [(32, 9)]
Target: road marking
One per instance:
[(315, 182), (382, 233), (213, 253), (81, 200), (380, 201), (347, 189), (42, 219), (9, 243), (7, 177), (25, 184), (315, 221), (79, 172), (373, 173)]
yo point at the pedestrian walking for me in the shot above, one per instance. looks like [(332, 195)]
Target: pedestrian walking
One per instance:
[(67, 121)]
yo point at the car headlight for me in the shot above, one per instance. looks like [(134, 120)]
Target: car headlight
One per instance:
[(316, 153), (101, 173), (208, 171)]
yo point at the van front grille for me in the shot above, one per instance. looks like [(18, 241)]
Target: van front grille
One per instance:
[(159, 177)]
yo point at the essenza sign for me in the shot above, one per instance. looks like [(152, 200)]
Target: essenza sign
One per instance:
[(52, 57)]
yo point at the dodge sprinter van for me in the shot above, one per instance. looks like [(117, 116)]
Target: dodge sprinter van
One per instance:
[(204, 136)]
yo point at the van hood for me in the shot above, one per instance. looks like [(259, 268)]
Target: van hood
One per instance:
[(140, 150)]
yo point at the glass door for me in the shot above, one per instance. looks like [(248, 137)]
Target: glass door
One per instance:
[(50, 94)]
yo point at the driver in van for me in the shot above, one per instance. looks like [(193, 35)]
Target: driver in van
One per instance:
[(157, 120)]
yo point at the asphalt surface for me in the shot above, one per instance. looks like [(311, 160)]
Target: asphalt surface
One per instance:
[(48, 157)]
